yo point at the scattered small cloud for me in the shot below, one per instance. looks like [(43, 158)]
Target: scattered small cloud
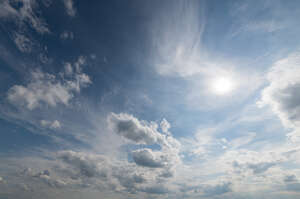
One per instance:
[(67, 35), (45, 88), (52, 125), (70, 9), (24, 44)]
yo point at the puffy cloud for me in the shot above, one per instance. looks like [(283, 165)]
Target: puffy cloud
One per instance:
[(70, 9), (87, 165), (131, 128), (44, 88), (148, 158), (282, 93), (142, 132), (165, 126)]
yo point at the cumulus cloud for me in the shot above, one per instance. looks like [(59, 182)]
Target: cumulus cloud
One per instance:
[(87, 165), (137, 131), (282, 93), (45, 88), (148, 158), (142, 132), (70, 9), (165, 126)]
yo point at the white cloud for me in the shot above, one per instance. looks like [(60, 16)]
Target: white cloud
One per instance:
[(52, 125), (165, 126), (282, 93), (44, 88), (70, 9), (142, 132)]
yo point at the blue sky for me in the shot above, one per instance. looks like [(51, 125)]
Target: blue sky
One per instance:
[(149, 99)]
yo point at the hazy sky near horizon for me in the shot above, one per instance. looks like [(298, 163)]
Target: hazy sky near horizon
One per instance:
[(149, 99)]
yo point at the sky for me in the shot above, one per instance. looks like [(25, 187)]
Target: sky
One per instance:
[(149, 99)]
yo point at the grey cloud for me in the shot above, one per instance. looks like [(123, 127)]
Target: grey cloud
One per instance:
[(131, 128), (261, 167), (291, 183), (218, 189), (155, 189), (148, 158), (207, 190), (290, 178), (282, 93), (129, 180), (44, 177), (256, 168), (293, 187), (86, 164)]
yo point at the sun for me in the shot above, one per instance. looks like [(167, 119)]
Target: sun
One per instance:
[(222, 85)]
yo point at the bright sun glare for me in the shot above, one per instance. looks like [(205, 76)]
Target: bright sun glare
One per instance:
[(222, 85)]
